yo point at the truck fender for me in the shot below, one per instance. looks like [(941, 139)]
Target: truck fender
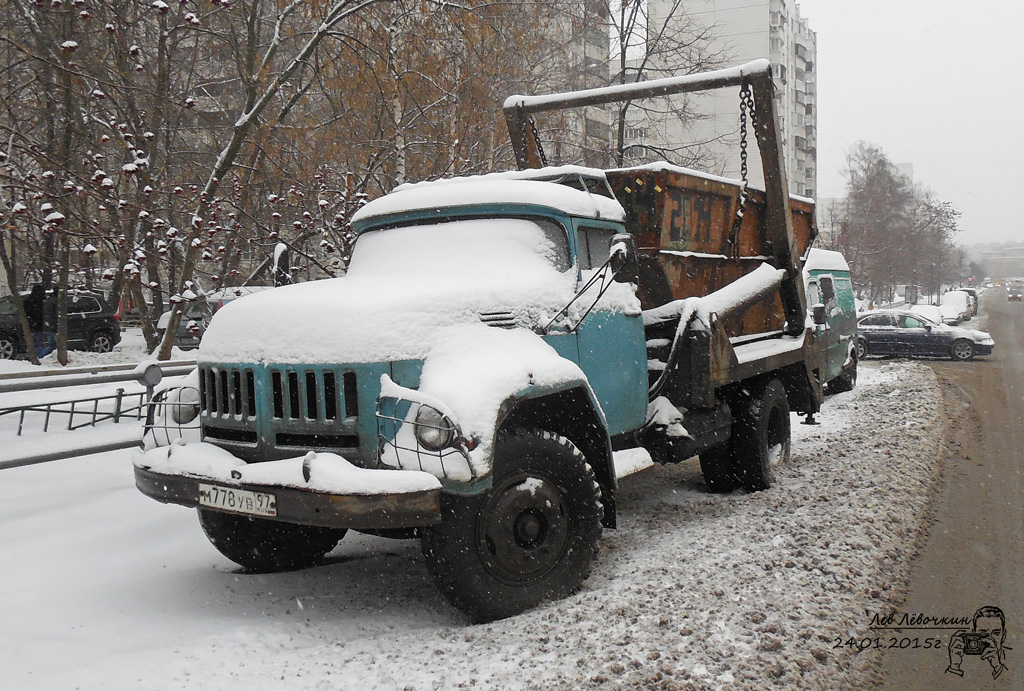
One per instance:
[(575, 414)]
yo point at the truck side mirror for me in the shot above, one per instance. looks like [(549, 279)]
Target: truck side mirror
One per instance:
[(819, 314), (623, 257)]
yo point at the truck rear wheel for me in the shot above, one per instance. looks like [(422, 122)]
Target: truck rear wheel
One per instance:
[(265, 546), (761, 439), (531, 538)]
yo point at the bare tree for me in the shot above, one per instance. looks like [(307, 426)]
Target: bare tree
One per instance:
[(892, 231), (157, 149), (650, 41)]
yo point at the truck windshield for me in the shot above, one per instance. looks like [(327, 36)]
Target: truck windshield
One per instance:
[(473, 246)]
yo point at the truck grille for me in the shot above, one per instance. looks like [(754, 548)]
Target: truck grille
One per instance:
[(313, 395), (227, 392), (264, 412)]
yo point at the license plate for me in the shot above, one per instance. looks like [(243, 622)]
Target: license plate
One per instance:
[(238, 500)]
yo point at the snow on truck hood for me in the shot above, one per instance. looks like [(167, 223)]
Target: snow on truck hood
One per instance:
[(403, 286), (363, 319)]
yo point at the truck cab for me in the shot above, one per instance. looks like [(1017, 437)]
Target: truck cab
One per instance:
[(487, 334)]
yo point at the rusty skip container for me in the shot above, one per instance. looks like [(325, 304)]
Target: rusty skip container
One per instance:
[(690, 243)]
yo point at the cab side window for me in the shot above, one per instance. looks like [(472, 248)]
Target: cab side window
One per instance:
[(813, 294), (828, 295), (594, 244)]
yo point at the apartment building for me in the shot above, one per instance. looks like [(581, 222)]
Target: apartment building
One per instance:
[(739, 31)]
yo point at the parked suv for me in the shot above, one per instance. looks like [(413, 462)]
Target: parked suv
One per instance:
[(91, 324)]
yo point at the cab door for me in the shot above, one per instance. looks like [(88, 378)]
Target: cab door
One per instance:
[(612, 346), (835, 334)]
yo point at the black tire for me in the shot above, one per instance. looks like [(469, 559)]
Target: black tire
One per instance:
[(265, 546), (847, 379), (962, 350), (532, 537), (862, 348), (101, 342), (718, 468), (761, 440), (9, 347)]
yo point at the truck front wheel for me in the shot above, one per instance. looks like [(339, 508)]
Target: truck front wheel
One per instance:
[(265, 546), (531, 538), (761, 439)]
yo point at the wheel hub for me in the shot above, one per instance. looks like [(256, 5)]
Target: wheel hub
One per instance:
[(529, 529), (524, 529)]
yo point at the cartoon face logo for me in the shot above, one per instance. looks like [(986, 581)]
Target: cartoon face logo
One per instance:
[(986, 639)]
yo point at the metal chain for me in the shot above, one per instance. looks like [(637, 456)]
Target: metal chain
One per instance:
[(522, 135), (746, 108), (537, 140)]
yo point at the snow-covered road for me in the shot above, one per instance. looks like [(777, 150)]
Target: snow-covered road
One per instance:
[(106, 589)]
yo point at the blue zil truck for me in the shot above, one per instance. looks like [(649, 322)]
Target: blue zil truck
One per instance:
[(503, 350)]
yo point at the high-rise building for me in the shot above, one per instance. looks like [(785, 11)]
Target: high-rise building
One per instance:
[(740, 31)]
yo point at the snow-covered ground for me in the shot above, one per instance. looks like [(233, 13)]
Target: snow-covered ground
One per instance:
[(106, 589), (131, 349)]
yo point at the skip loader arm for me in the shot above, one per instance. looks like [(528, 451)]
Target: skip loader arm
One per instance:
[(519, 112)]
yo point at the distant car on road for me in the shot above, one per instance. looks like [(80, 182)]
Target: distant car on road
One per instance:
[(1014, 292), (899, 332), (91, 324), (958, 300), (933, 312)]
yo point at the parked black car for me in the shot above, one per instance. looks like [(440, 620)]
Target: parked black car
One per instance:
[(91, 324), (896, 332)]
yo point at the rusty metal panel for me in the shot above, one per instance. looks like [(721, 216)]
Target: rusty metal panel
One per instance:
[(683, 222)]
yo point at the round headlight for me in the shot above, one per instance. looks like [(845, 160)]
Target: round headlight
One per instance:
[(433, 430), (184, 406)]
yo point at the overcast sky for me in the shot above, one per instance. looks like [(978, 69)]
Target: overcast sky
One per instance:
[(935, 84)]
